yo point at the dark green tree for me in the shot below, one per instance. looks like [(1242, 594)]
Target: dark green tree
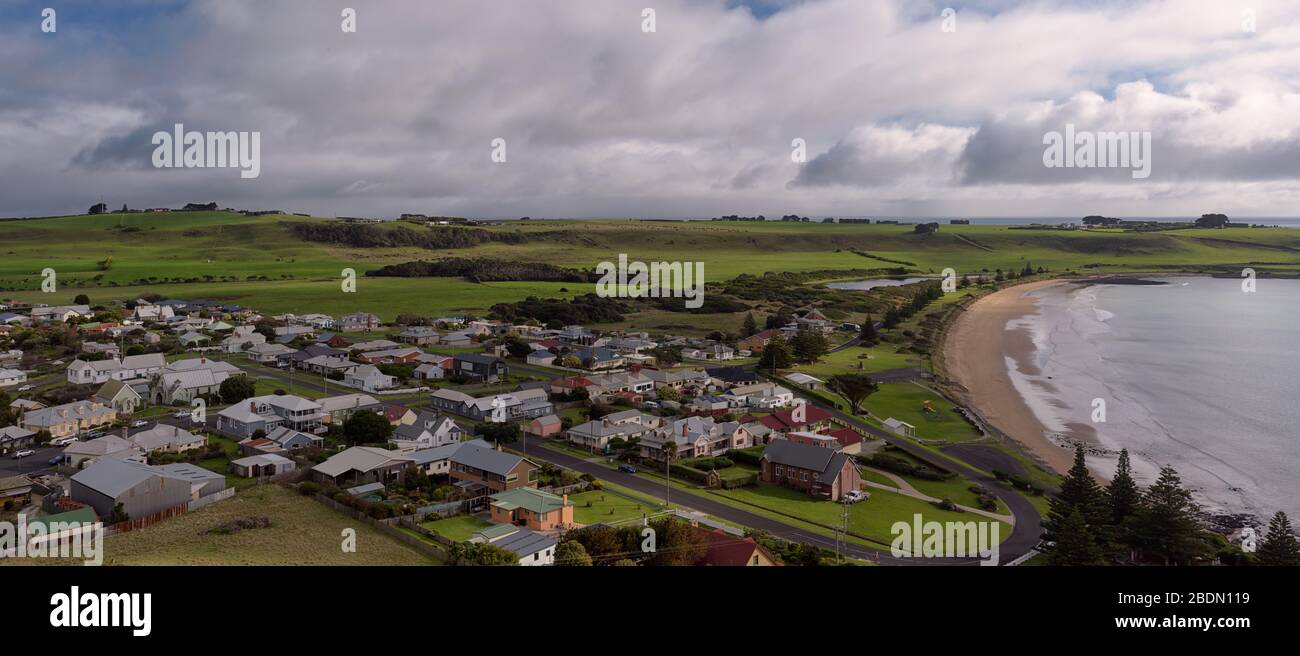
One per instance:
[(855, 388), (1075, 542), (870, 336), (1123, 496), (572, 554), (1079, 492), (751, 326), (237, 388), (777, 354), (367, 428), (1165, 524), (808, 345), (1279, 546)]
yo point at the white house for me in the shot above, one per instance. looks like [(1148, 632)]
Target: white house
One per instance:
[(81, 372), (11, 377), (369, 378), (900, 427)]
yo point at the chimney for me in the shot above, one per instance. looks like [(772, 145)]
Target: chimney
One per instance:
[(565, 499)]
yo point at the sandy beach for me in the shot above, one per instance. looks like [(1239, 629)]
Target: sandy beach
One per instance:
[(975, 353)]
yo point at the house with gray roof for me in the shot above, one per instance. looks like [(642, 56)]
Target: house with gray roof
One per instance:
[(627, 425), (142, 489), (478, 469), (363, 464), (820, 472), (531, 547)]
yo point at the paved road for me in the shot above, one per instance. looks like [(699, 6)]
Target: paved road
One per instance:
[(1028, 528), (731, 513)]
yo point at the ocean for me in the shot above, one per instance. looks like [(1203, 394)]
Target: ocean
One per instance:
[(1196, 374)]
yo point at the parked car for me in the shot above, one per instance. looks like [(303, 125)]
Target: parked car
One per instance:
[(26, 388), (181, 415), (854, 496), (627, 469), (55, 460), (650, 405), (139, 423), (23, 454), (63, 441)]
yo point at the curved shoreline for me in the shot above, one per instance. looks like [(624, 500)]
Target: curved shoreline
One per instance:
[(975, 352)]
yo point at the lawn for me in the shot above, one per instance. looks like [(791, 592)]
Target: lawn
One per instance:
[(904, 401), (302, 532), (869, 519), (458, 528), (956, 489), (847, 361), (600, 506)]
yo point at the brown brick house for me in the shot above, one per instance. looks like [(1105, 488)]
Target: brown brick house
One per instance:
[(479, 469), (823, 473)]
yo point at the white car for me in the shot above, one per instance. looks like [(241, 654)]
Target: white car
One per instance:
[(854, 496), (23, 454), (63, 441), (181, 415), (139, 423), (26, 388)]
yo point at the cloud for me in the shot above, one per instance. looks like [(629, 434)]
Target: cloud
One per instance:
[(695, 119)]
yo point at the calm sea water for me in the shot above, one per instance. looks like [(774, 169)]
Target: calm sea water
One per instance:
[(1196, 374)]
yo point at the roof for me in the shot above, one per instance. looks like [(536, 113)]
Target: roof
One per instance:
[(524, 542), (360, 458), (803, 379), (812, 415), (112, 478), (162, 435), (735, 374), (530, 499), (261, 459), (479, 358), (486, 458), (727, 550), (364, 489), (826, 462)]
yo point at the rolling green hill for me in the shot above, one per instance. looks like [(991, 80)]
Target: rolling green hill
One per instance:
[(266, 261)]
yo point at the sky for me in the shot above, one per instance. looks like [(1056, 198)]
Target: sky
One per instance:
[(906, 108)]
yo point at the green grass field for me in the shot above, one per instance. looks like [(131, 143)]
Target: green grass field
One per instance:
[(904, 401), (302, 532), (599, 506), (871, 518), (260, 261), (458, 528)]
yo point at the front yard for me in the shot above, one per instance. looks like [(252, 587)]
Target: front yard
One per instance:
[(458, 528)]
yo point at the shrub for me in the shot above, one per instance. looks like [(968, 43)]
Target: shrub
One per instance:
[(309, 489)]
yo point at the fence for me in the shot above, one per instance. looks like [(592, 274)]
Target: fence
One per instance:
[(390, 528), (580, 486), (212, 498), (146, 521)]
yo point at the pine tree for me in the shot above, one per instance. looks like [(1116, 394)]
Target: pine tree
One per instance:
[(1079, 493), (777, 354), (751, 326), (1166, 522), (1279, 546), (869, 335), (1075, 543), (1123, 494)]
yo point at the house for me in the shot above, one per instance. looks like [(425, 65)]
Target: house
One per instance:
[(329, 364), (16, 491), (59, 313), (758, 341), (695, 437), (267, 413), (267, 353), (97, 372), (194, 339), (174, 387), (597, 358), (569, 384), (432, 371), (822, 473), (544, 426), (765, 396), (732, 375), (358, 322), (531, 508), (400, 415), (612, 383), (682, 379), (900, 427), (258, 466), (823, 440), (710, 352), (531, 547), (299, 358), (437, 460), (426, 431), (510, 406), (150, 312), (419, 335), (142, 489), (727, 550), (626, 425), (375, 345), (806, 417), (168, 438), (13, 438), (11, 377), (480, 367), (408, 355), (68, 419), (243, 341), (337, 409), (279, 440), (541, 358), (805, 381), (109, 447), (477, 470), (369, 378), (362, 464), (108, 348)]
